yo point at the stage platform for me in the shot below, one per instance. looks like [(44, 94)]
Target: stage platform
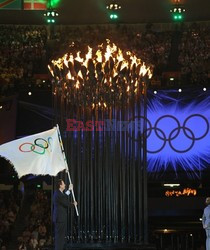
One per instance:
[(110, 246), (101, 246)]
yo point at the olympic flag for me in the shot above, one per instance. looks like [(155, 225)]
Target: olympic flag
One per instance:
[(38, 154)]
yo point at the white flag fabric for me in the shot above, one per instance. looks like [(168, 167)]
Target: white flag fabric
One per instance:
[(38, 154)]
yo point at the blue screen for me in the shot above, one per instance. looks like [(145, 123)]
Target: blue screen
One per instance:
[(178, 130)]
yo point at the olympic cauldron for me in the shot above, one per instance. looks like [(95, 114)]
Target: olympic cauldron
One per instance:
[(100, 83), (101, 77)]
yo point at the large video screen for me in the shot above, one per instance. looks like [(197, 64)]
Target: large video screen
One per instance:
[(178, 134)]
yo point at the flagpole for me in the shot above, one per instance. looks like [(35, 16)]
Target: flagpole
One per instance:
[(67, 169)]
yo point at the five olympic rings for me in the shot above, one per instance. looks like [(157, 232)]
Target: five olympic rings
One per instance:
[(148, 129), (39, 143)]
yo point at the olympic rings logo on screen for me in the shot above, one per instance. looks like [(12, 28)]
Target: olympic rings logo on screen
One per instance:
[(39, 146), (174, 133)]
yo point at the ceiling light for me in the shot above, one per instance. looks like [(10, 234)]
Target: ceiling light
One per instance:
[(113, 6)]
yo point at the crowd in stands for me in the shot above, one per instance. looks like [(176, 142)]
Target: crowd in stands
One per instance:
[(22, 53), (10, 203), (195, 54), (26, 50), (37, 232)]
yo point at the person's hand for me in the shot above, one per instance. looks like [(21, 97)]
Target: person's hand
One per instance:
[(74, 203), (71, 187), (204, 226)]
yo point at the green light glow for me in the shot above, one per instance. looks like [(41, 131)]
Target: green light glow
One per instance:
[(177, 17), (53, 3), (113, 16)]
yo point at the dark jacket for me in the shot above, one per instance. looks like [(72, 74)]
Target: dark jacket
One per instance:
[(61, 204)]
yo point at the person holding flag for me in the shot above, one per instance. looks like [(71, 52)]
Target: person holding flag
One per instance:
[(60, 209)]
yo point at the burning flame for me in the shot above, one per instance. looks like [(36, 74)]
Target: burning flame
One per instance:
[(106, 72)]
